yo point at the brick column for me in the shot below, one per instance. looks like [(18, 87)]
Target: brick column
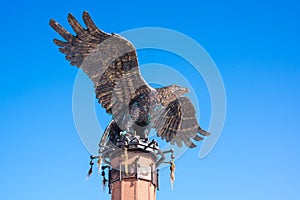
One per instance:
[(133, 176)]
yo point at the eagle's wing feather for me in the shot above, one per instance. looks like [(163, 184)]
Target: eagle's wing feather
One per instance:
[(109, 60), (177, 123)]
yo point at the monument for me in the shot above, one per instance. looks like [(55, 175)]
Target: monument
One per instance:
[(128, 159)]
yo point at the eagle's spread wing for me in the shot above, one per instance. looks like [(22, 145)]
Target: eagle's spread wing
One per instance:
[(109, 60), (177, 123)]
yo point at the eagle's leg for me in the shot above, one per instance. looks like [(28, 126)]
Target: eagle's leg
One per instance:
[(142, 131)]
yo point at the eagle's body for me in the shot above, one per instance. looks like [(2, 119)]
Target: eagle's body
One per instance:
[(111, 63)]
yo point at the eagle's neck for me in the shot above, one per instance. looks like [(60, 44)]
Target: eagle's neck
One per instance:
[(165, 96)]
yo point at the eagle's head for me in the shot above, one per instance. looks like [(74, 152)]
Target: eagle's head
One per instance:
[(178, 90), (171, 93)]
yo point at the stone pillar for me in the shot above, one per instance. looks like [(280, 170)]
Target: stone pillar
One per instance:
[(133, 175)]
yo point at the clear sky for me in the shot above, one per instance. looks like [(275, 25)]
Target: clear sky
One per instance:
[(255, 45)]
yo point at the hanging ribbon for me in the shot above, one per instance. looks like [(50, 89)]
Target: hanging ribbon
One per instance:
[(90, 170), (126, 160), (104, 180), (172, 173)]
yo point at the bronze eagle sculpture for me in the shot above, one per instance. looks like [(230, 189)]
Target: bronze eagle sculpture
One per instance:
[(110, 61)]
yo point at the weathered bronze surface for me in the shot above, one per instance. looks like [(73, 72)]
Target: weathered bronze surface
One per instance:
[(111, 63)]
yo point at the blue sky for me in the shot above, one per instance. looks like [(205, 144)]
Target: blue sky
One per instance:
[(255, 45)]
